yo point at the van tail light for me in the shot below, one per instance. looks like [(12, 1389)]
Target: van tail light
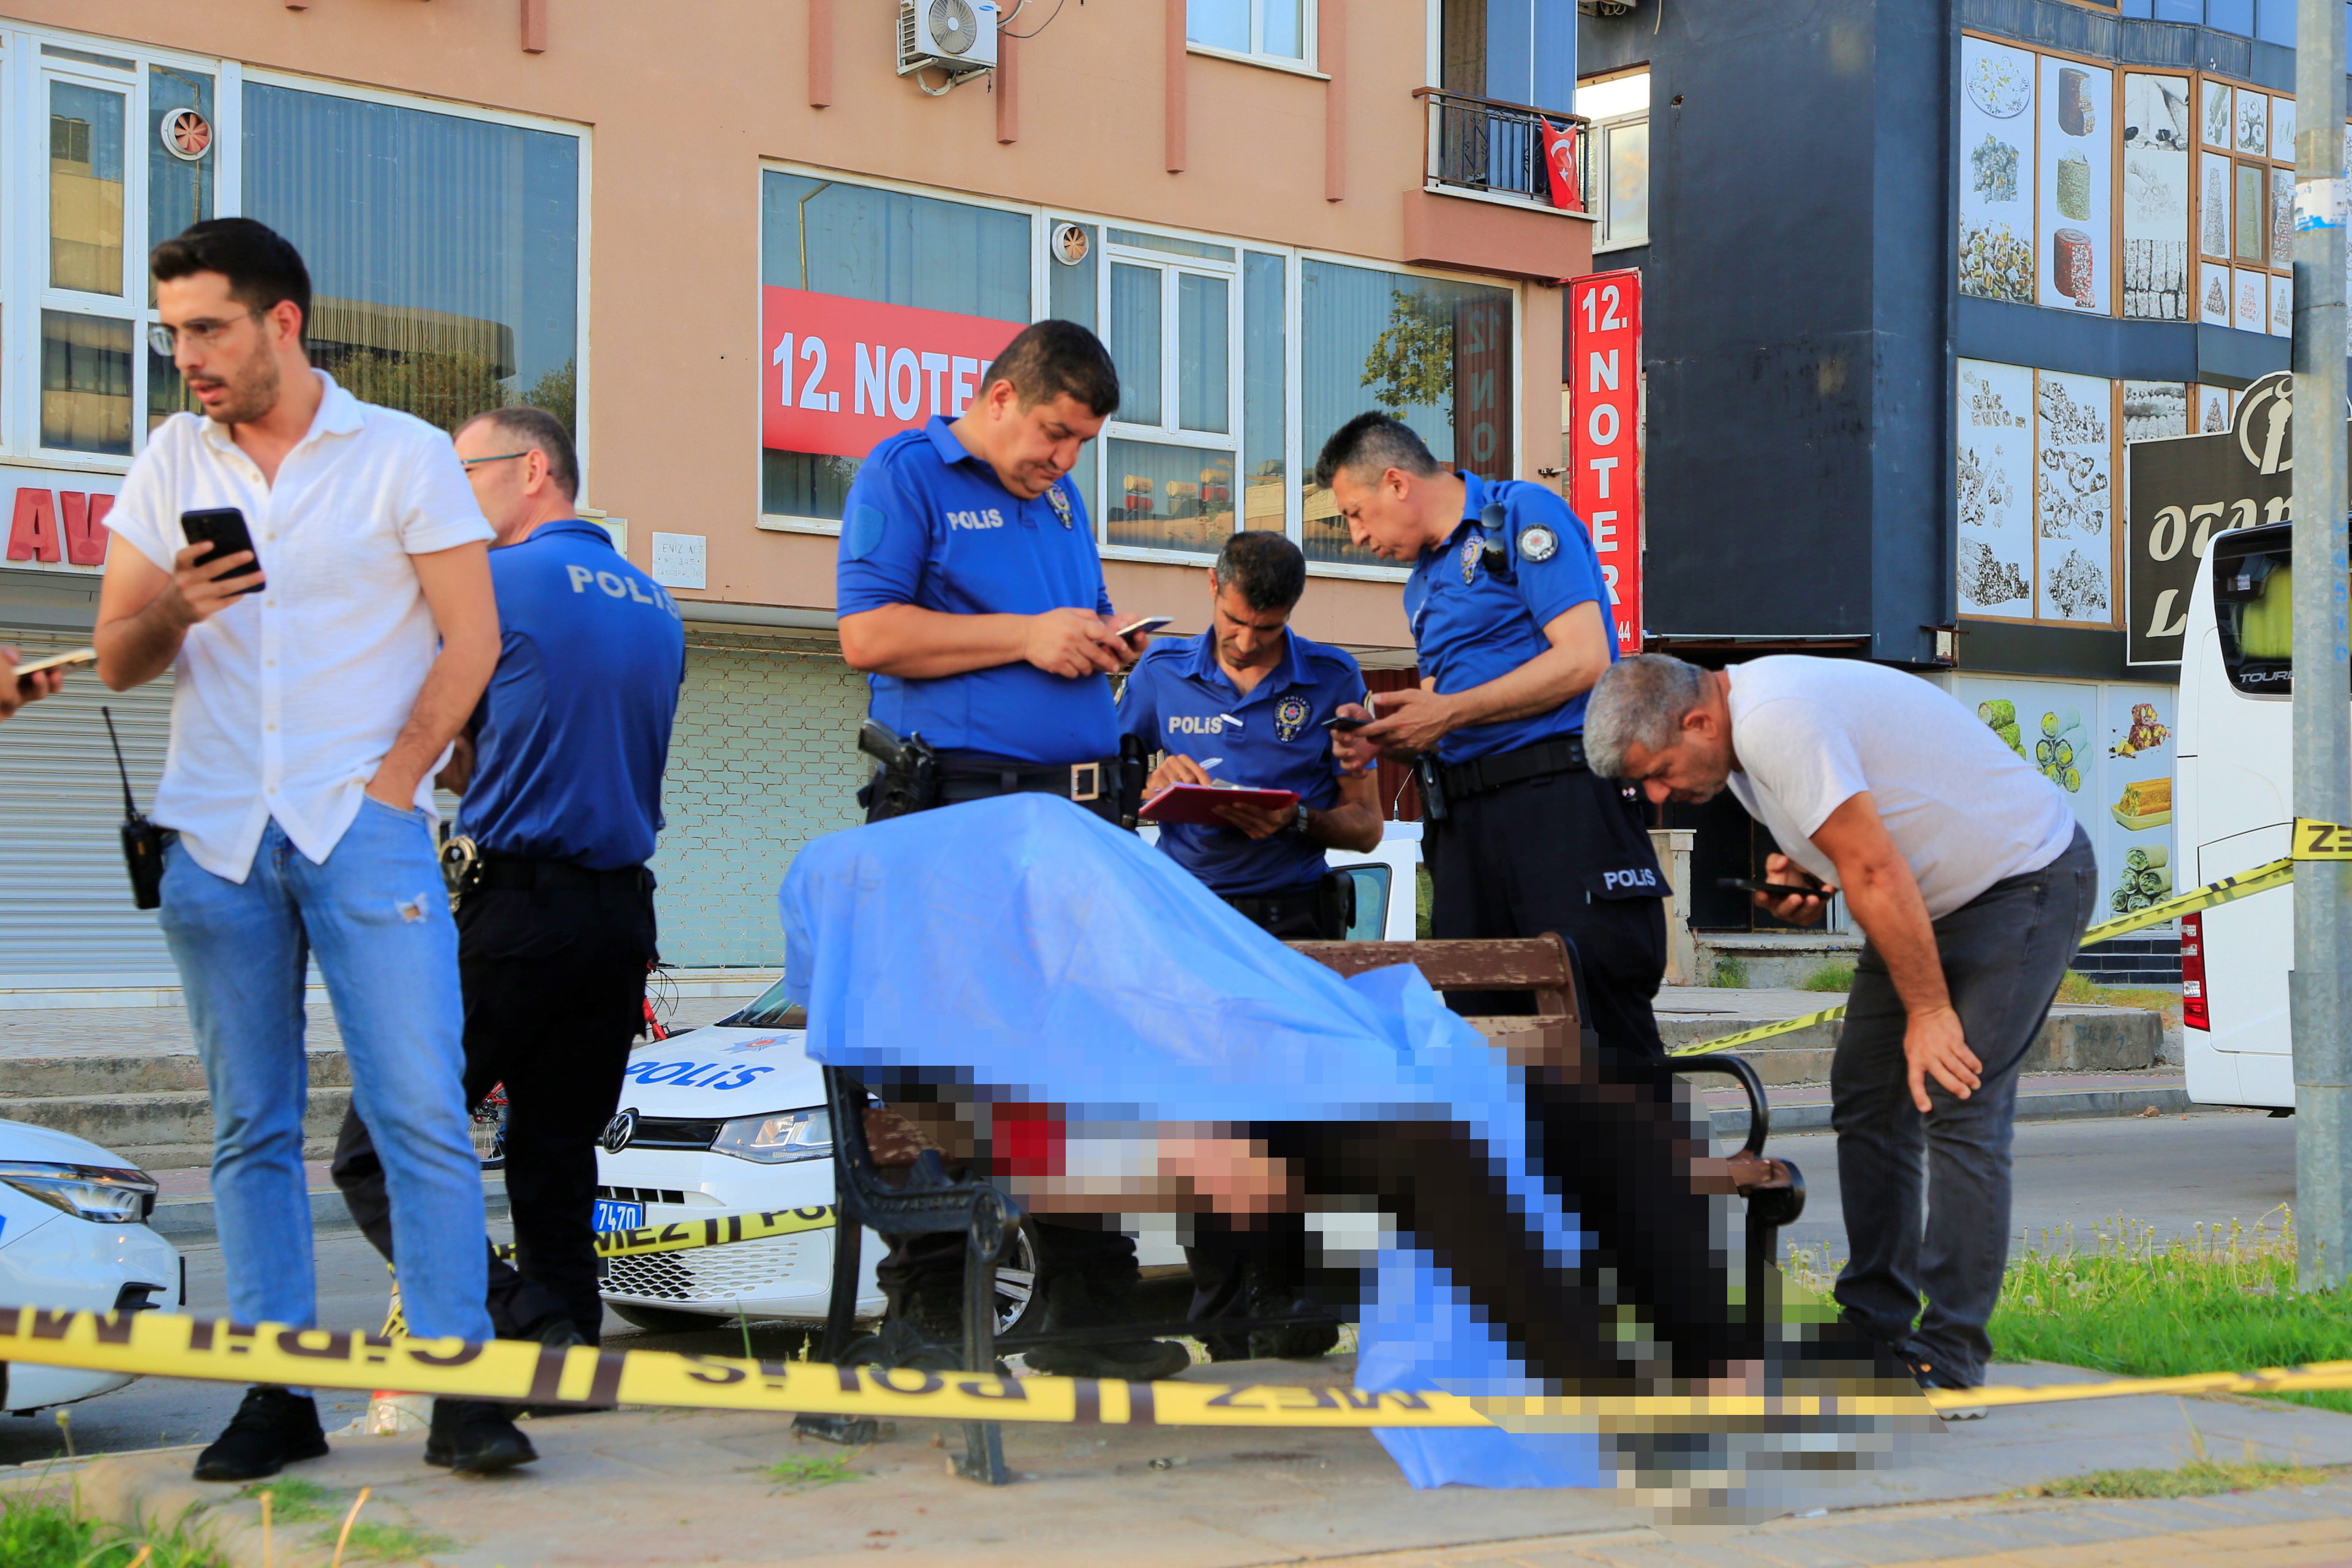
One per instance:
[(2192, 974)]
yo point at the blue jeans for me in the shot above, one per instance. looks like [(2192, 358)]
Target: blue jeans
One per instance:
[(1927, 1197), (377, 918)]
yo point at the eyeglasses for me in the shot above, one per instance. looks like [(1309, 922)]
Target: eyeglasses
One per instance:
[(202, 334), (470, 462)]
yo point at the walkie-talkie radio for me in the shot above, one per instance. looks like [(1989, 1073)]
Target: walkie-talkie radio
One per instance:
[(142, 841)]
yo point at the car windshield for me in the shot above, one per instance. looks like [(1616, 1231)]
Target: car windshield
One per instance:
[(774, 1010)]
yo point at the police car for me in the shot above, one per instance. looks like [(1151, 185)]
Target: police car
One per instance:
[(730, 1119), (73, 1235)]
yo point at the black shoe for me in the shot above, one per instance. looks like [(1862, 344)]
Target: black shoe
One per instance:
[(1929, 1379), (1127, 1361), (475, 1437), (273, 1429), (560, 1333), (1292, 1342)]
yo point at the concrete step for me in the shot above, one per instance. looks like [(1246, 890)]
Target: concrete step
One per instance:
[(69, 1077), (2039, 1097), (2080, 1039), (158, 1129)]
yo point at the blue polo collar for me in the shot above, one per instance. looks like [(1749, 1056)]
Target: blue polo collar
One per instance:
[(943, 441), (1201, 664), (575, 525), (1473, 502)]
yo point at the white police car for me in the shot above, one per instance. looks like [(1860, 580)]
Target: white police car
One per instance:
[(73, 1234), (730, 1119)]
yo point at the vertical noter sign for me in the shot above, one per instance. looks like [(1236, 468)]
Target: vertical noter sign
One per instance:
[(1604, 437)]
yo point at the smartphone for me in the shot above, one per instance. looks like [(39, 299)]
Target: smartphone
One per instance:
[(223, 528), (1772, 889), (67, 660), (1148, 624), (1342, 721)]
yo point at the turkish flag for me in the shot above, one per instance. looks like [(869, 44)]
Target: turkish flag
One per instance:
[(1560, 161)]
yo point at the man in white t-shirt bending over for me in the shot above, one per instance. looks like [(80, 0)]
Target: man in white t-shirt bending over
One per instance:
[(1973, 884)]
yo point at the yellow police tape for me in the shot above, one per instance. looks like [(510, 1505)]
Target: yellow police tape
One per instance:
[(2336, 844), (160, 1344), (722, 1230)]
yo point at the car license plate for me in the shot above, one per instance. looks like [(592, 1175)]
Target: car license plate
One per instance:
[(613, 1215)]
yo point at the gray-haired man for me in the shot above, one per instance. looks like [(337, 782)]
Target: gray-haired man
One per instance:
[(1973, 884)]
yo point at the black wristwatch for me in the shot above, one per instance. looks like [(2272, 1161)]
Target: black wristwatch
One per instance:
[(1298, 826)]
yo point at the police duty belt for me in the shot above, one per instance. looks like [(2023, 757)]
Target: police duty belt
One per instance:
[(2313, 841)]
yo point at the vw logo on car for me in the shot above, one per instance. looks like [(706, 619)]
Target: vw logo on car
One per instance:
[(619, 1130)]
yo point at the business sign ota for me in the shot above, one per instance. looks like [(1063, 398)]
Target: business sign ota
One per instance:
[(1604, 463), (2187, 490)]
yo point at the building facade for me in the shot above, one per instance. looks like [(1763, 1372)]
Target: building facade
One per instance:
[(1907, 312), (734, 245)]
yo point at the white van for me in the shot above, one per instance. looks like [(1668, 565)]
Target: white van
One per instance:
[(2233, 805)]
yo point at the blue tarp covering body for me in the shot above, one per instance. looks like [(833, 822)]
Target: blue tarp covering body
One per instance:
[(1029, 951)]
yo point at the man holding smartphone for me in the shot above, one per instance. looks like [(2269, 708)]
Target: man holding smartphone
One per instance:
[(971, 595), (1973, 882), (320, 674), (16, 690)]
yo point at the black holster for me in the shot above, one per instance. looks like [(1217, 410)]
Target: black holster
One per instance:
[(1131, 774), (1335, 905), (1429, 775), (906, 781)]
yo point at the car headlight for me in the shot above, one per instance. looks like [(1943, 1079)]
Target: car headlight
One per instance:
[(101, 1194), (779, 1138)]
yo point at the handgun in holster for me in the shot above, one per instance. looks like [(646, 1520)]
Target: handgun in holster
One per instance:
[(908, 778), (1131, 774), (1429, 775)]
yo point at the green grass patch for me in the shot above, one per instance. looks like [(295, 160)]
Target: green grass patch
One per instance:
[(294, 1501), (2081, 990), (2198, 1478), (386, 1543), (806, 1472), (51, 1532), (1424, 898), (1730, 973), (1829, 977)]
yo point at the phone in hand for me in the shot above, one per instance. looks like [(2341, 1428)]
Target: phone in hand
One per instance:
[(66, 660), (1770, 890), (1343, 722), (223, 528), (1148, 624)]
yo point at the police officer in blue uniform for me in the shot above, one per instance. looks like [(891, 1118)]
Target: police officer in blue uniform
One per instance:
[(1245, 702), (1509, 618), (560, 773), (971, 594)]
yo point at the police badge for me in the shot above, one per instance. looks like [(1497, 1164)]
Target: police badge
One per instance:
[(1537, 543), (1290, 716), (1470, 548), (1060, 503)]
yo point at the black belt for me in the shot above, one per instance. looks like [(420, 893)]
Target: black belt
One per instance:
[(965, 776), (1564, 755), (1267, 907), (514, 874)]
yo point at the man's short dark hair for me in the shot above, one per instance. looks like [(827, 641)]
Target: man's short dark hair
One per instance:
[(1268, 569), (1053, 358), (531, 427), (1374, 443), (261, 267)]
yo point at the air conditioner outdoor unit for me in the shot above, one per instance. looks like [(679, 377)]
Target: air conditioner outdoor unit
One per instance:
[(957, 37)]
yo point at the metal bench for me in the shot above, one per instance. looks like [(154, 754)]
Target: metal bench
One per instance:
[(930, 1199)]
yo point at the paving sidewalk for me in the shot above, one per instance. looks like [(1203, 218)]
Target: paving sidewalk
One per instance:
[(676, 1486)]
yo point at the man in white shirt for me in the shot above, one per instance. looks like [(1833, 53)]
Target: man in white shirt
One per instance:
[(1974, 885), (317, 689)]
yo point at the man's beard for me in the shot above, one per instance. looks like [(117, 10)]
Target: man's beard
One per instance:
[(251, 395)]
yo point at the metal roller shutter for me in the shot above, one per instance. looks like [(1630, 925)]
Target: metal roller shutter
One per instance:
[(65, 916)]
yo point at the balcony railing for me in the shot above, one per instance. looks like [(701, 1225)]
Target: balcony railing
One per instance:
[(1487, 144)]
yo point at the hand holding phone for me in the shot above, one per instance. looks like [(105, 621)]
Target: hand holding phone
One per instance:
[(1770, 890), (1148, 624), (1345, 723), (223, 528), (66, 660)]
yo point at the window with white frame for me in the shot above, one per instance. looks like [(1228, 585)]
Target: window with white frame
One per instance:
[(1169, 450), (1618, 107), (1280, 32), (442, 247)]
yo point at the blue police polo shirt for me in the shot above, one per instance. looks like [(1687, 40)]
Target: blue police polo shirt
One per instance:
[(1180, 700), (927, 523), (1470, 626), (573, 730)]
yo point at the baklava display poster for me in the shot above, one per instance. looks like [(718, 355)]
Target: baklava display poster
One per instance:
[(2076, 177), (2073, 504), (1994, 451), (1996, 175), (2158, 130)]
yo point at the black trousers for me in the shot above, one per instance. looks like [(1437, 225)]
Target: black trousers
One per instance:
[(1535, 855), (555, 984)]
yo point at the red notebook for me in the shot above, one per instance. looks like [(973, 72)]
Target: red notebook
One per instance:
[(1197, 804)]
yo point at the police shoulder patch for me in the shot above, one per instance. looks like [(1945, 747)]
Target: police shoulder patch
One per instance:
[(1537, 543)]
